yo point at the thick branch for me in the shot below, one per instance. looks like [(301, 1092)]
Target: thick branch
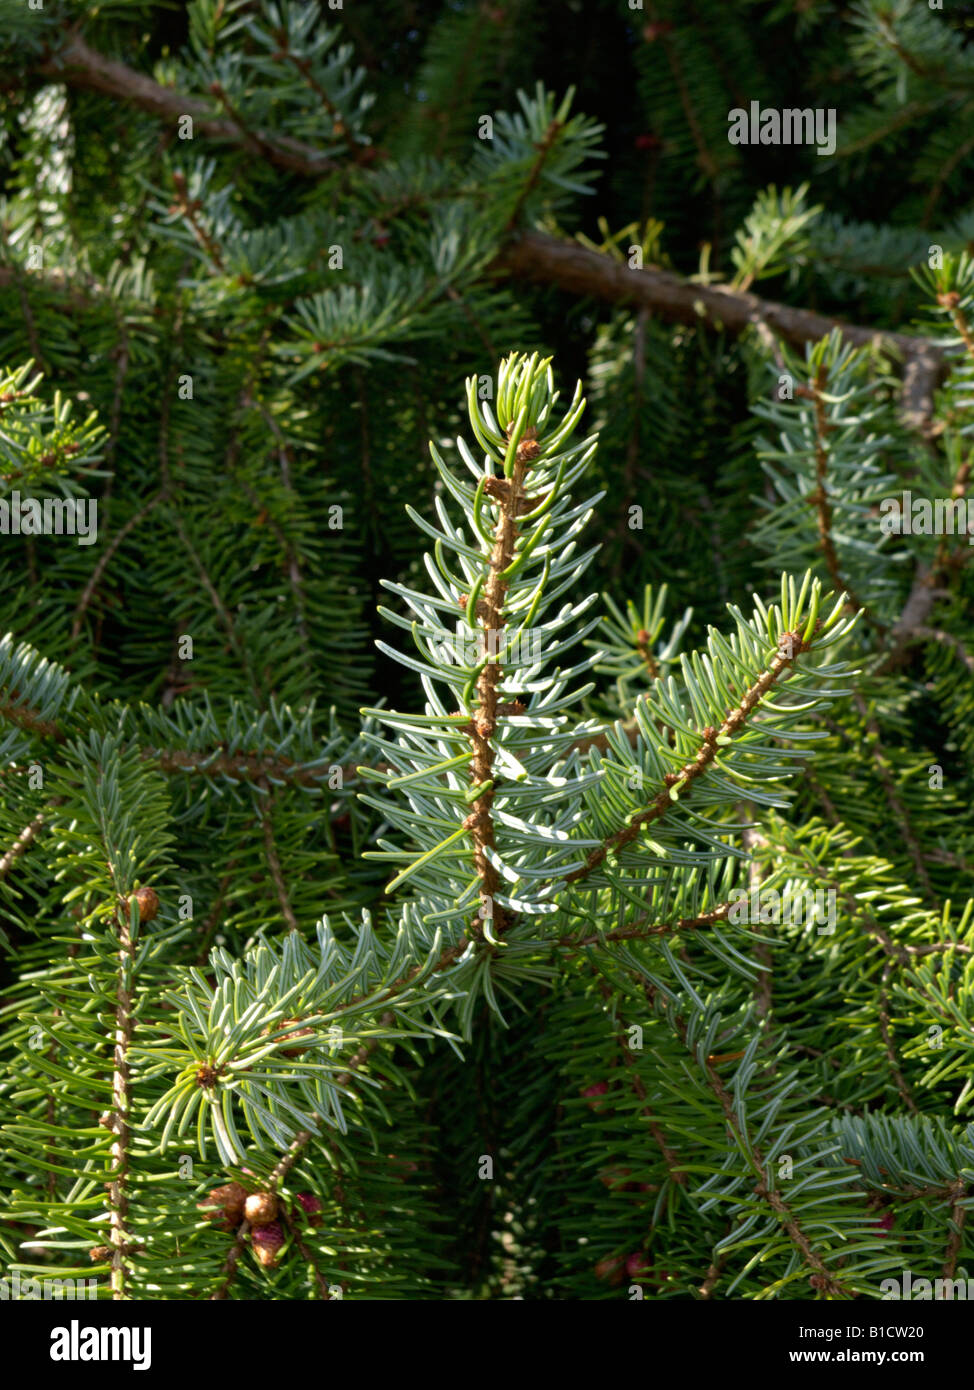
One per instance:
[(80, 66), (536, 256)]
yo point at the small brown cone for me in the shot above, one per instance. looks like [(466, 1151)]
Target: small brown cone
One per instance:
[(312, 1206), (266, 1242), (226, 1202), (148, 902), (260, 1208), (612, 1269)]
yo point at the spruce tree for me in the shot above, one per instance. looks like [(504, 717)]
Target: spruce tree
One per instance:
[(485, 700)]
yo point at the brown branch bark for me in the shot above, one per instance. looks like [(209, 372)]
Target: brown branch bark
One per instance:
[(532, 255), (80, 66), (274, 863), (958, 1216), (637, 932), (22, 843), (820, 497), (928, 583), (893, 797), (538, 257), (506, 495)]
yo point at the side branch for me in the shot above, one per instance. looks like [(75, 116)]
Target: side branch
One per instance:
[(80, 66), (791, 647), (118, 1187), (820, 497), (572, 267)]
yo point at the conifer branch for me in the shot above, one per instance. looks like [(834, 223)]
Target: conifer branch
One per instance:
[(712, 1277), (22, 844), (309, 1259), (639, 932), (820, 497), (273, 860), (531, 255), (530, 183), (105, 559), (241, 767), (958, 1217), (243, 656), (82, 67), (823, 1278), (947, 639), (190, 209), (507, 495), (121, 1106), (537, 256), (752, 840), (886, 1033), (893, 796), (792, 646), (30, 720), (599, 787), (668, 1154)]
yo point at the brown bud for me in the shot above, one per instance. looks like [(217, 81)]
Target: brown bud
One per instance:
[(617, 1178), (98, 1253), (612, 1268), (312, 1206), (528, 448), (266, 1242), (260, 1208), (497, 487), (405, 1165), (226, 1202), (148, 903), (511, 707), (293, 1032)]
